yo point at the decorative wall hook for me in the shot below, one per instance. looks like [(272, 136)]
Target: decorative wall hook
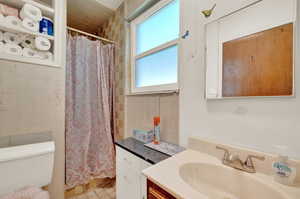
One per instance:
[(208, 13), (186, 34)]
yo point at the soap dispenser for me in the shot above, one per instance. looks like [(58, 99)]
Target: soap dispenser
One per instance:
[(284, 174)]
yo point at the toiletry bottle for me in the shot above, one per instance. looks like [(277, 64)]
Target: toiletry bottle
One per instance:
[(284, 174), (156, 121)]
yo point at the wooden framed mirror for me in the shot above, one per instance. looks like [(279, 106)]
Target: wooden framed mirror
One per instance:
[(260, 64), (250, 52)]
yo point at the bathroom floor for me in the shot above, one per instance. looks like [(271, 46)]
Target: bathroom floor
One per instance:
[(99, 193), (104, 190)]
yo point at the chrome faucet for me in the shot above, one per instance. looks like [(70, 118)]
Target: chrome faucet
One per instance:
[(235, 162)]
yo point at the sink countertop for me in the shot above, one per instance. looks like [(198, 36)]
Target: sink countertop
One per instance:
[(137, 148), (166, 174)]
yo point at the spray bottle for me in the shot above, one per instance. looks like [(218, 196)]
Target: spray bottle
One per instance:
[(156, 121)]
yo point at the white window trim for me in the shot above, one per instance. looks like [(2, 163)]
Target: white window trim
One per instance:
[(159, 88)]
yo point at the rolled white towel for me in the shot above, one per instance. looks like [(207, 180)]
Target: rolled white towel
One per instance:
[(28, 52), (11, 38), (45, 56), (1, 36), (12, 21), (42, 43), (1, 18), (30, 25), (12, 49), (1, 46), (32, 12)]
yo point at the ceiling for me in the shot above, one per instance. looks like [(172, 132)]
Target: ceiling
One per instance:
[(88, 15), (112, 4)]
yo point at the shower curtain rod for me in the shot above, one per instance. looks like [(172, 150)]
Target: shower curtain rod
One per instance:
[(90, 35)]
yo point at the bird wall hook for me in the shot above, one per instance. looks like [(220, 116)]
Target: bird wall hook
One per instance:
[(208, 13)]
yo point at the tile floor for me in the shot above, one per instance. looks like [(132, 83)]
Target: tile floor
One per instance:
[(106, 191), (98, 193)]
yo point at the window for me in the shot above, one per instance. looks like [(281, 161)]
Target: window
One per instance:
[(154, 55)]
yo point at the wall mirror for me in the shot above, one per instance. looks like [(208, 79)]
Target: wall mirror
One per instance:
[(250, 52)]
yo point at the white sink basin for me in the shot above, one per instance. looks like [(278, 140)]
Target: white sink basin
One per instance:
[(219, 182)]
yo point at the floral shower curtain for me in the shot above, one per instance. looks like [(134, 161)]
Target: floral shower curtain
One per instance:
[(89, 111)]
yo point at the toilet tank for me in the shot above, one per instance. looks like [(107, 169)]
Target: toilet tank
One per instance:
[(25, 165)]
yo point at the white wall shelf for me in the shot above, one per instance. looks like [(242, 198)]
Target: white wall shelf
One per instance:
[(10, 57), (55, 12)]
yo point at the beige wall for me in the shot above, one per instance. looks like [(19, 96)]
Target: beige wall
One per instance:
[(140, 110), (257, 123), (32, 100)]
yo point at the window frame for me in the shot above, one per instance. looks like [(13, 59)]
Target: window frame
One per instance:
[(133, 56)]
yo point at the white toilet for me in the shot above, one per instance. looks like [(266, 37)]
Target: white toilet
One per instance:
[(25, 165)]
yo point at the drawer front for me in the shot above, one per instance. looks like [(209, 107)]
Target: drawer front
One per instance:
[(126, 160), (155, 192)]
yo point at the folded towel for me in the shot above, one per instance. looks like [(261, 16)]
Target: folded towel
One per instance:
[(29, 192)]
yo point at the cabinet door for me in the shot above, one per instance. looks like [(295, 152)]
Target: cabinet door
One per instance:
[(143, 179), (128, 175), (155, 192), (128, 185), (264, 62)]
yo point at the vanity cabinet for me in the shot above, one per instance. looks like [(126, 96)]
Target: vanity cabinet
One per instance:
[(156, 192), (130, 182)]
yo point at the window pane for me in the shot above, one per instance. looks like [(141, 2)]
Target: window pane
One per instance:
[(158, 29), (157, 69)]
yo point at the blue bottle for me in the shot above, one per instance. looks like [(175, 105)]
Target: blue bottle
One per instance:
[(46, 26)]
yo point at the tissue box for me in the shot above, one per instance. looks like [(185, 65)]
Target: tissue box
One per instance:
[(8, 11), (143, 136)]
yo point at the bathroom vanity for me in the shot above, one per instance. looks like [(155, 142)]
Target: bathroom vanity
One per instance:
[(199, 173), (132, 157)]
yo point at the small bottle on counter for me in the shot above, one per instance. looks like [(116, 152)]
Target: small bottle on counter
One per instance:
[(284, 173), (156, 121)]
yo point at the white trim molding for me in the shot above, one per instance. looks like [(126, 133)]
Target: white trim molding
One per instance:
[(134, 56)]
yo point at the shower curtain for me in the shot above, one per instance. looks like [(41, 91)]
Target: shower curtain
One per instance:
[(89, 111)]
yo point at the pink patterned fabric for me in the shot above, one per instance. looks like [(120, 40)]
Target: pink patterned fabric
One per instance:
[(89, 111), (28, 193)]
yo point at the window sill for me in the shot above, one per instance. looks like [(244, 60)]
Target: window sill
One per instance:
[(153, 92)]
